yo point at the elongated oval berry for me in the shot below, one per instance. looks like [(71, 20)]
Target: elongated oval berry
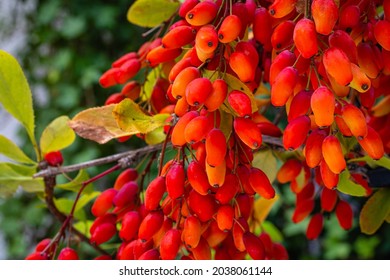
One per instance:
[(329, 178), (355, 120), (372, 144), (182, 80), (325, 14), (360, 81), (198, 90), (284, 59), (338, 65), (343, 41), (215, 147), (243, 66), (296, 132), (179, 37), (127, 70), (197, 129), (68, 254), (300, 104), (102, 233), (154, 193), (127, 195), (203, 206), (160, 55), (254, 246), (382, 33), (322, 103), (203, 13), (315, 226), (239, 228), (175, 180), (216, 174), (130, 224), (281, 8), (262, 26), (303, 209), (150, 225), (260, 183), (248, 132), (186, 6), (225, 217), (305, 37), (177, 137), (197, 177), (230, 29), (103, 202), (313, 148), (240, 103), (152, 254), (333, 154), (192, 231), (202, 251), (282, 36), (349, 17), (367, 60), (226, 192), (217, 95), (206, 39), (170, 244), (328, 199), (344, 214), (283, 87), (127, 175), (289, 170)]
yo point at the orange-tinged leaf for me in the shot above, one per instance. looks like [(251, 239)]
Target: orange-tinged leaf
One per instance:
[(97, 124), (375, 211), (262, 207)]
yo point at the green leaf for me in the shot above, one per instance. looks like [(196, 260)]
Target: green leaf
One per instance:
[(149, 84), (12, 151), (13, 176), (133, 120), (76, 183), (375, 211), (57, 135), (83, 227), (383, 162), (266, 161), (15, 94), (155, 137), (347, 186), (150, 13), (273, 231), (64, 205)]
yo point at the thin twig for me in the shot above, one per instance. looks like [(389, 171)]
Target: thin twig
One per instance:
[(124, 159)]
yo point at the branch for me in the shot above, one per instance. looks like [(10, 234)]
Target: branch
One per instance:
[(124, 159)]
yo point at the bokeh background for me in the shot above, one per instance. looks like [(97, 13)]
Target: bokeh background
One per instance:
[(63, 47)]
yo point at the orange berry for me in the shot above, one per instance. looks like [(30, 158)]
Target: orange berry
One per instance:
[(344, 214), (261, 184), (217, 96), (202, 13), (382, 33), (230, 29), (197, 177), (248, 132), (372, 144), (305, 37), (281, 8), (179, 37), (338, 66), (215, 147), (323, 105), (225, 217), (355, 120), (182, 80), (325, 14), (192, 231), (333, 154), (198, 90), (296, 132), (283, 87), (313, 148), (178, 136), (290, 169)]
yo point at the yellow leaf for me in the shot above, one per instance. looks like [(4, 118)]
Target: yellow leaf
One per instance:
[(97, 124), (262, 207), (57, 135), (131, 119), (266, 161)]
